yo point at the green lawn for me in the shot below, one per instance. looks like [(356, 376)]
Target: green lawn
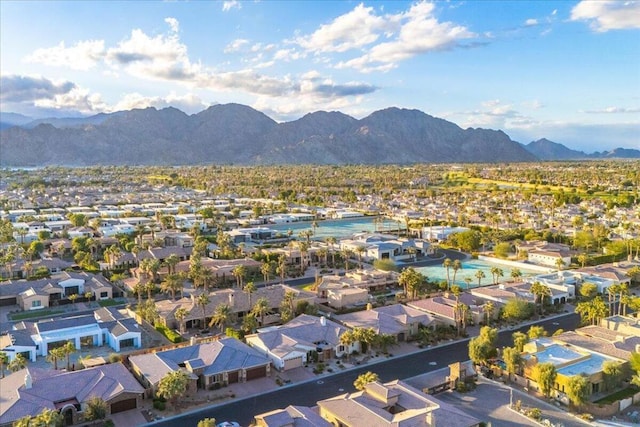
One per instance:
[(35, 313), (619, 395), (109, 302)]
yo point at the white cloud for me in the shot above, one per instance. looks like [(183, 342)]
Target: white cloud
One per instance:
[(418, 33), (83, 55), (173, 23), (235, 45), (160, 57), (614, 110), (530, 22), (355, 29), (28, 89), (605, 15), (77, 100), (188, 103), (231, 4)]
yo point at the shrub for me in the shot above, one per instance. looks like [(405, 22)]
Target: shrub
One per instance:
[(534, 413), (169, 334), (159, 405)]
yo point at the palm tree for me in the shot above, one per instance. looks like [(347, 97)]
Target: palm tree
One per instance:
[(261, 309), (480, 275), (172, 283), (360, 250), (488, 309), (48, 418), (281, 269), (4, 360), (249, 289), (239, 272), (68, 349), (346, 253), (447, 265), (612, 292), (139, 289), (582, 259), (332, 241), (180, 314), (203, 300), (468, 281), (559, 263), (221, 316), (55, 354), (265, 269), (516, 274), (457, 265), (303, 247), (540, 291), (18, 362)]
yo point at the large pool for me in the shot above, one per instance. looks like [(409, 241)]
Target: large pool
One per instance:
[(437, 273), (340, 229)]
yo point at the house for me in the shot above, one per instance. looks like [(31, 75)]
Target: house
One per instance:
[(37, 294), (504, 292), (209, 365), (304, 338), (106, 326), (376, 246), (442, 308), (31, 390), (398, 320), (392, 404), (239, 302), (568, 361), (291, 416)]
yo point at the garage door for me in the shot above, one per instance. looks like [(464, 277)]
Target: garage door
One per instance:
[(233, 377), (8, 301), (123, 405), (256, 372), (295, 362)]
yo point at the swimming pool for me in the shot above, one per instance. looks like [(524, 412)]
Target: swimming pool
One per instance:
[(340, 229), (437, 273)]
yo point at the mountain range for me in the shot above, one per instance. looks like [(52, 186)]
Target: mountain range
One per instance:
[(238, 134)]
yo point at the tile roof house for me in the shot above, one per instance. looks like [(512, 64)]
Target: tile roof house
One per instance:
[(398, 320), (106, 326), (31, 390), (289, 346), (291, 416), (392, 404), (221, 362)]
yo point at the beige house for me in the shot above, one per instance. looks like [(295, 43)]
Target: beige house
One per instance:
[(392, 404), (32, 299)]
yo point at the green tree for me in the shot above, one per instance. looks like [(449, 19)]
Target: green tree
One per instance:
[(181, 314), (172, 283), (68, 349), (48, 418), (536, 331), (513, 360), (4, 360), (545, 375), (517, 309), (203, 300), (95, 409), (173, 386), (519, 340), (578, 389), (260, 309), (588, 290), (207, 422), (364, 379), (412, 281), (221, 316), (483, 347), (502, 250), (18, 362), (239, 272), (480, 275), (55, 355), (612, 372)]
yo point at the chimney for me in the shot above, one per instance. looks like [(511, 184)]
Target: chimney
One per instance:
[(28, 381), (323, 321)]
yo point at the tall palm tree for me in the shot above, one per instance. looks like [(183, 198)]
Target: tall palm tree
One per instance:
[(540, 292), (468, 281), (181, 314), (172, 283), (516, 274), (612, 293), (360, 250), (203, 300), (488, 308), (171, 261), (261, 309), (221, 316), (447, 265), (55, 354), (18, 362), (239, 272), (332, 241), (250, 289), (68, 349), (457, 265), (480, 275), (265, 269), (4, 360)]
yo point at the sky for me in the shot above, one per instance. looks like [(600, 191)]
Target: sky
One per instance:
[(568, 71)]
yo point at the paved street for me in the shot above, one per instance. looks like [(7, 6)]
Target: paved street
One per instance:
[(309, 392)]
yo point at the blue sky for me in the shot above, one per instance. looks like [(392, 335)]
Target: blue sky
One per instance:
[(568, 71)]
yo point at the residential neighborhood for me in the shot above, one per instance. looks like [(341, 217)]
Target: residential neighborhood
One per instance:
[(165, 284)]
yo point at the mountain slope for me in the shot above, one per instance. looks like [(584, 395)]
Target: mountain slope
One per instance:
[(233, 133)]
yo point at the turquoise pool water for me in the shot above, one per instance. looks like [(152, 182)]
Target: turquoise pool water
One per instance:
[(438, 273), (340, 229)]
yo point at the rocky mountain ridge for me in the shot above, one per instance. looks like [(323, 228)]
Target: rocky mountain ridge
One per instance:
[(238, 134)]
